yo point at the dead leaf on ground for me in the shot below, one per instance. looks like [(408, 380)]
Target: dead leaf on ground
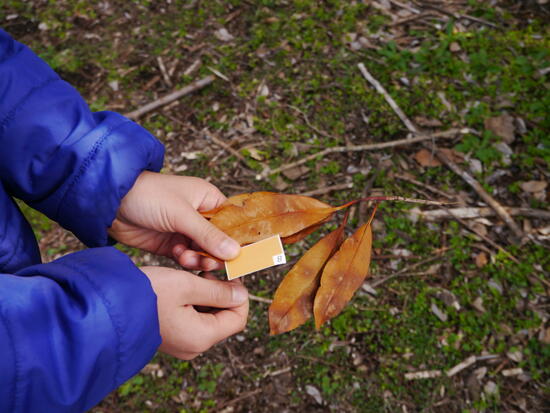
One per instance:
[(426, 158), (481, 260), (427, 123), (455, 156), (223, 35), (502, 126), (296, 172), (534, 186)]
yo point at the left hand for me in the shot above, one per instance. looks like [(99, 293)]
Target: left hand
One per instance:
[(160, 214)]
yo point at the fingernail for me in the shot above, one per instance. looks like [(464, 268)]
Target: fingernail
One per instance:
[(239, 294), (229, 248), (178, 250)]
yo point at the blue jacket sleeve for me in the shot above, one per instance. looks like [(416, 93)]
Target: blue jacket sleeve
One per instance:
[(59, 157), (73, 330)]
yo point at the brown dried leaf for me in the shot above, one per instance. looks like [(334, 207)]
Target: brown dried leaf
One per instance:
[(453, 155), (534, 186), (425, 158), (293, 301), (481, 260), (344, 274), (262, 214), (502, 126)]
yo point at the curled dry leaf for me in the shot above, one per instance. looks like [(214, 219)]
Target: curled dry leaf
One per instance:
[(293, 301), (252, 217), (343, 274)]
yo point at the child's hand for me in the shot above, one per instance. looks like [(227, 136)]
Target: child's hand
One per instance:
[(159, 214), (186, 332)]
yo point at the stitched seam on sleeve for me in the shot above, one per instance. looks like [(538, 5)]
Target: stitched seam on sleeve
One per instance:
[(16, 365), (85, 165), (108, 307), (11, 114)]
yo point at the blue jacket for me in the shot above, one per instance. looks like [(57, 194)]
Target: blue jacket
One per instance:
[(74, 329)]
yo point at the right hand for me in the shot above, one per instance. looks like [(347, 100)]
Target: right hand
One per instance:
[(186, 332)]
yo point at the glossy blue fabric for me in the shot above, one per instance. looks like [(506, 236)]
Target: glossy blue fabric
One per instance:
[(74, 329)]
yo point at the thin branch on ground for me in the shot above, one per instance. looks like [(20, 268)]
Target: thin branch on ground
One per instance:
[(380, 89), (476, 186), (327, 189), (484, 237), (199, 84), (253, 297), (501, 212), (225, 146), (308, 123), (459, 16), (451, 133), (482, 212), (423, 185)]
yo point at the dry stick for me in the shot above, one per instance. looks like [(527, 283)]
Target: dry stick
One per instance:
[(199, 84), (327, 189), (422, 184), (493, 203), (380, 89), (474, 212), (308, 123), (226, 146), (501, 212), (366, 147), (458, 16), (484, 238), (405, 6), (404, 199), (252, 297)]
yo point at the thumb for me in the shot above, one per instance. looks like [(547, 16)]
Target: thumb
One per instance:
[(216, 293), (207, 235)]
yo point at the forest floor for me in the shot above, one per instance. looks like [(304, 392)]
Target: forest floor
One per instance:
[(470, 292)]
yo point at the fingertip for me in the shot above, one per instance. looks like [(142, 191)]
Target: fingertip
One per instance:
[(208, 264), (178, 250), (229, 249)]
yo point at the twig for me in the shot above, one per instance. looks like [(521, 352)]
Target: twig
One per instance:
[(404, 199), (199, 84), (308, 123), (380, 89), (240, 398), (458, 16), (259, 299), (327, 189), (225, 146), (500, 211), (485, 238), (277, 372), (163, 71), (405, 6), (218, 73), (423, 185), (412, 18), (461, 366), (428, 374), (366, 147), (473, 212)]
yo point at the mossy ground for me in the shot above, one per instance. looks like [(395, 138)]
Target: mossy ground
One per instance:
[(304, 54)]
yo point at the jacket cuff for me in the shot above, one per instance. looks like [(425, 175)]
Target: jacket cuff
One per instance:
[(130, 301), (122, 150), (73, 330)]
